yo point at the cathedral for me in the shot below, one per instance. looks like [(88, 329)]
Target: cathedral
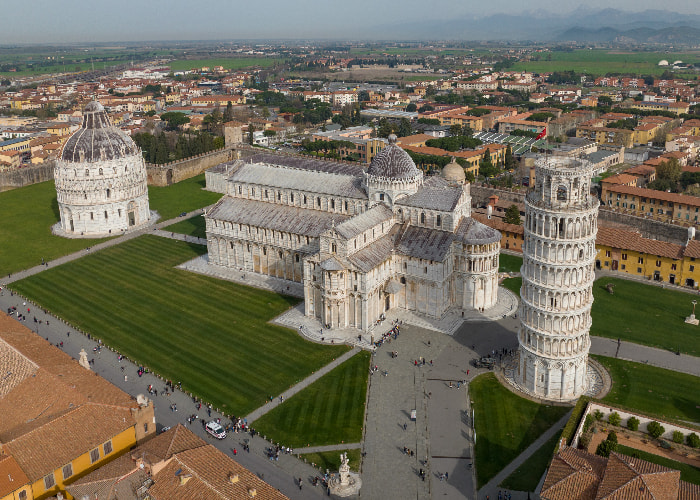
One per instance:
[(360, 241), (100, 179)]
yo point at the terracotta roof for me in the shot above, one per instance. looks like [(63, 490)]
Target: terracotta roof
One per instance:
[(11, 475), (498, 224), (626, 477), (640, 170), (692, 249), (631, 240), (621, 179), (573, 474), (693, 201), (414, 139)]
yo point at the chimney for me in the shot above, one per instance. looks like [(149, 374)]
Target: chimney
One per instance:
[(233, 478), (252, 492), (185, 478)]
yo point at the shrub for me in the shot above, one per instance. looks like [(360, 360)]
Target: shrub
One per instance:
[(693, 440), (598, 415), (678, 437), (633, 423), (584, 441), (614, 419), (607, 446), (588, 422), (612, 436), (655, 429), (572, 424)]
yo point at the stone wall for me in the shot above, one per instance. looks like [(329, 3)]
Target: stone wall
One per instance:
[(25, 176), (481, 192), (176, 171)]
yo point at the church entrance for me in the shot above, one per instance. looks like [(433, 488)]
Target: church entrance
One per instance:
[(132, 218), (387, 302), (72, 226)]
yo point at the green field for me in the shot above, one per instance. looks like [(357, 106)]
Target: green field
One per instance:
[(227, 63), (653, 391), (509, 263), (513, 284), (644, 314), (183, 196), (211, 335), (528, 475), (329, 411), (688, 472), (25, 234), (330, 460), (505, 424), (194, 226), (601, 61)]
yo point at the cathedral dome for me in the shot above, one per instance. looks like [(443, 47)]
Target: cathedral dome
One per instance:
[(393, 162), (453, 172), (97, 139)]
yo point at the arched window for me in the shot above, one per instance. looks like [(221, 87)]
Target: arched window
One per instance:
[(333, 248), (291, 197), (296, 257), (422, 217), (101, 173), (87, 172), (561, 193), (438, 221), (109, 193), (332, 204)]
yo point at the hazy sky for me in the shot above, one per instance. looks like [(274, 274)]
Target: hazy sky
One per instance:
[(60, 21)]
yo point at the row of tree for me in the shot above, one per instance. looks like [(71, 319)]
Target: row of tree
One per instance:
[(164, 148)]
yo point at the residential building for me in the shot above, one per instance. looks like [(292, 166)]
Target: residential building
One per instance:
[(668, 207)]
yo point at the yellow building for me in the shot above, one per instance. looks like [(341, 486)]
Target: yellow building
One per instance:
[(59, 419), (604, 135), (667, 207)]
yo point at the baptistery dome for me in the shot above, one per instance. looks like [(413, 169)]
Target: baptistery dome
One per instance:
[(100, 179)]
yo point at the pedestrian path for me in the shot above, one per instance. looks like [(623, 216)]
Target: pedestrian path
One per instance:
[(330, 447), (491, 488), (661, 358), (256, 414)]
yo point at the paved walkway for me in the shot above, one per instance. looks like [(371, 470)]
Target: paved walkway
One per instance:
[(629, 351), (330, 447), (491, 488), (256, 414)]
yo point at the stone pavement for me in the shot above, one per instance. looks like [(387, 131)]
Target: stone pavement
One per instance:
[(643, 354), (252, 417), (491, 488)]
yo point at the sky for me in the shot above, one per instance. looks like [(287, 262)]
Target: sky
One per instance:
[(65, 21)]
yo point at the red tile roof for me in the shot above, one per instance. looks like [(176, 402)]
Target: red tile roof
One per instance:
[(631, 240)]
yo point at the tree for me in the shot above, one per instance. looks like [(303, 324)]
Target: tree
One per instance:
[(670, 170), (609, 445), (470, 176), (604, 100), (614, 419), (486, 168), (655, 429), (678, 437), (228, 113), (174, 120), (509, 161), (404, 128), (693, 440), (512, 215), (251, 133), (633, 423), (411, 107)]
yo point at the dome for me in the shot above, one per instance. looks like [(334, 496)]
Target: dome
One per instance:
[(453, 172), (97, 139), (663, 62), (393, 162)]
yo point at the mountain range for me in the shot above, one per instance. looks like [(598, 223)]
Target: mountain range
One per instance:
[(583, 25)]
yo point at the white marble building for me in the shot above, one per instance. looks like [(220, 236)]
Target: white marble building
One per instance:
[(556, 295), (361, 242), (100, 179)]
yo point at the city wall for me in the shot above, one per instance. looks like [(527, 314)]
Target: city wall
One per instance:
[(169, 173), (25, 176)]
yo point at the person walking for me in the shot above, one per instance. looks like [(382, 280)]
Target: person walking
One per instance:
[(300, 484)]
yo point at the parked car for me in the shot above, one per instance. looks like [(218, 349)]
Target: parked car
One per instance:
[(215, 430), (485, 362)]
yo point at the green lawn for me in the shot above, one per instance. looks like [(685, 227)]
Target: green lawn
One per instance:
[(27, 215), (330, 460), (513, 284), (509, 263), (184, 196), (528, 475), (688, 472), (212, 335), (505, 423), (644, 314), (194, 226), (329, 411), (653, 391)]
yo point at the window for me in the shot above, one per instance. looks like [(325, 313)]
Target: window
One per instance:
[(264, 251), (107, 447), (332, 204), (109, 193), (673, 267), (333, 248), (304, 199), (639, 270), (291, 197), (87, 172), (438, 220), (658, 263), (101, 173), (422, 218), (49, 481), (607, 253), (94, 455), (92, 216), (403, 280), (145, 427), (624, 256), (23, 495), (381, 196), (623, 267), (691, 268), (67, 471), (106, 216), (266, 194), (425, 270), (640, 260)]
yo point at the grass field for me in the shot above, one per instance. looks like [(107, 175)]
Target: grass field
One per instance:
[(513, 284), (210, 334), (509, 263), (329, 411), (528, 475), (505, 424), (644, 314), (688, 472), (330, 460), (653, 391), (601, 62), (227, 63), (194, 226), (27, 215), (183, 196)]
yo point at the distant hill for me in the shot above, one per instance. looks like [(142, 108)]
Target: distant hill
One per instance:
[(583, 24)]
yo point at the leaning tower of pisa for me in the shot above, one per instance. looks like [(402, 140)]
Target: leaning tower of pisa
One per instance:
[(558, 264)]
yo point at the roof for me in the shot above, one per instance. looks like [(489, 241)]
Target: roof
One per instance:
[(97, 139), (364, 221), (424, 243), (376, 252), (275, 217), (692, 201), (633, 241), (306, 163), (302, 180), (472, 232), (498, 224), (436, 193), (573, 474), (11, 475), (627, 477), (692, 249), (393, 162)]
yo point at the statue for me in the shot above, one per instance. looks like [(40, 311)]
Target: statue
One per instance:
[(610, 287), (346, 483), (83, 361)]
